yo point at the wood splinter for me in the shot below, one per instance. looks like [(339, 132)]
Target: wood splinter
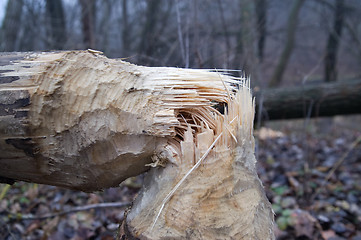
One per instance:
[(79, 120)]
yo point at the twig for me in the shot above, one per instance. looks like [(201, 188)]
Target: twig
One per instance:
[(76, 209), (340, 161), (334, 168)]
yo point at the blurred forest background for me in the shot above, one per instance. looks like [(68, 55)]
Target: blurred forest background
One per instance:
[(310, 169), (274, 41)]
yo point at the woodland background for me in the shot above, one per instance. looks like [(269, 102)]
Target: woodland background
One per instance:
[(259, 37), (310, 168)]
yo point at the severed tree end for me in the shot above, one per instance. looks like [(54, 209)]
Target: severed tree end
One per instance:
[(209, 189)]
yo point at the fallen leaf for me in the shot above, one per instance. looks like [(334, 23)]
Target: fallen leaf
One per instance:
[(328, 234)]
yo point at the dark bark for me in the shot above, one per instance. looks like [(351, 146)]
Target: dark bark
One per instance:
[(225, 33), (334, 42), (249, 60), (261, 12), (125, 28), (11, 25), (55, 12), (289, 45), (88, 22), (324, 100), (149, 36)]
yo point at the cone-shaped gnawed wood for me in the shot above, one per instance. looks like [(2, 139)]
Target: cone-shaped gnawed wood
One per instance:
[(210, 188)]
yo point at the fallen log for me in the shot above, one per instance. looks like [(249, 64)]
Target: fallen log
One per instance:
[(313, 100), (79, 120)]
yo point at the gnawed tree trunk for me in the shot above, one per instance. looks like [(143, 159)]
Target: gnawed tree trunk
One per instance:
[(79, 120)]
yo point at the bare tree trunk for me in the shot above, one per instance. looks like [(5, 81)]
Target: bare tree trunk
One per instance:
[(261, 12), (248, 35), (290, 40), (11, 25), (88, 22), (226, 35), (125, 28), (55, 12), (334, 42), (148, 36)]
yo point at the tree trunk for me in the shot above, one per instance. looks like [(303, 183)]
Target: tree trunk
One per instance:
[(290, 40), (323, 100), (11, 25), (125, 29), (80, 120), (334, 42), (149, 36), (55, 12), (248, 35), (261, 13), (88, 22)]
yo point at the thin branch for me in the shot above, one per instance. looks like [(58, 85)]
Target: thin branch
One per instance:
[(341, 160), (75, 209)]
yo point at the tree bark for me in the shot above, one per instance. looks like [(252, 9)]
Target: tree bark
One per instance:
[(290, 41), (55, 12), (322, 100), (251, 63), (88, 22), (334, 42), (149, 36), (11, 25), (261, 13), (125, 29)]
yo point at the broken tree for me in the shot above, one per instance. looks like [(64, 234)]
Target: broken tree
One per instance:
[(79, 120)]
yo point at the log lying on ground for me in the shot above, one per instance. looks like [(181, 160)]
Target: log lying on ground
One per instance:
[(321, 100), (79, 120)]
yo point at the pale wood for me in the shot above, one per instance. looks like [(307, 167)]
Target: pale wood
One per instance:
[(80, 120), (221, 199)]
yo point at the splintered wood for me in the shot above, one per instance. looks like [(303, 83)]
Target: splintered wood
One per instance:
[(80, 120), (210, 188)]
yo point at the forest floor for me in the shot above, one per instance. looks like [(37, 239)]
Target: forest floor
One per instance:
[(311, 171)]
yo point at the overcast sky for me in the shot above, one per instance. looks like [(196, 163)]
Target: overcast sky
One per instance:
[(2, 9)]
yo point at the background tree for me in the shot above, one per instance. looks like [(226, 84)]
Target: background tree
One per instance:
[(56, 15), (88, 22), (290, 41), (261, 14), (333, 42), (215, 34), (11, 25)]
